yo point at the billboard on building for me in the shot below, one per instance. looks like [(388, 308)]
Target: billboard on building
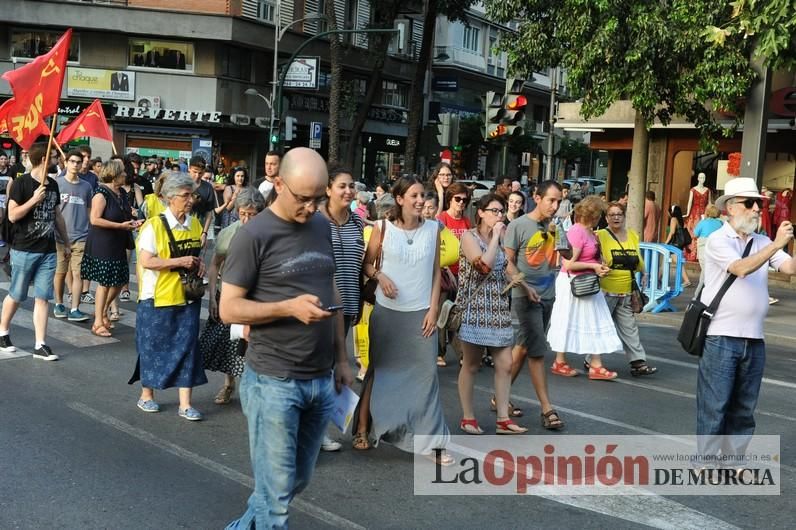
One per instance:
[(303, 73), (103, 84)]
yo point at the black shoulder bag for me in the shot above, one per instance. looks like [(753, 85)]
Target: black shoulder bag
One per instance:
[(192, 284), (638, 300), (697, 316)]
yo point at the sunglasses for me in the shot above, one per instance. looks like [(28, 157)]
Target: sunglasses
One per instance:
[(465, 200), (748, 203)]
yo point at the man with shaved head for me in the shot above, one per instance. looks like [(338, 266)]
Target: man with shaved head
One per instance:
[(279, 279)]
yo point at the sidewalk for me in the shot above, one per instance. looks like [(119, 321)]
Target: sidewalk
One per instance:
[(780, 325)]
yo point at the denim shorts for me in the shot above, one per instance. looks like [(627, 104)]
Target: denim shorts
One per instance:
[(32, 267)]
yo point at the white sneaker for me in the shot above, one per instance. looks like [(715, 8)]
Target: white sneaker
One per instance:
[(330, 445)]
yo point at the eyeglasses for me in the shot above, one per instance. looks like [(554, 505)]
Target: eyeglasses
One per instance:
[(74, 161), (496, 211), (748, 203), (459, 198), (185, 196), (306, 201)]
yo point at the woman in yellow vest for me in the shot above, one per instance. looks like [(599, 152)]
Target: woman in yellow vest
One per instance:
[(167, 320)]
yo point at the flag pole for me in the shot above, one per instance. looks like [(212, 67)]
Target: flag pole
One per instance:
[(60, 149), (113, 146), (49, 146)]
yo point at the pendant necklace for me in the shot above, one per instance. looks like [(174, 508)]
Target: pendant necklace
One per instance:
[(410, 238)]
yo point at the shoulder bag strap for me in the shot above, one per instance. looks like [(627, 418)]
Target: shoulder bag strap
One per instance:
[(711, 310), (632, 277), (377, 264), (168, 230)]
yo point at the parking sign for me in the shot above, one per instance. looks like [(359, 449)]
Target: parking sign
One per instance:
[(316, 133)]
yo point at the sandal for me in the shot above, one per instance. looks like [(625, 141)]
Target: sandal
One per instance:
[(224, 395), (100, 331), (486, 359), (508, 426), (563, 369), (642, 368), (601, 374), (361, 442), (441, 362), (107, 323), (470, 426), (514, 412), (551, 420), (113, 316)]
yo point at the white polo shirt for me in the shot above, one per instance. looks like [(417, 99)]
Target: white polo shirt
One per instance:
[(745, 305)]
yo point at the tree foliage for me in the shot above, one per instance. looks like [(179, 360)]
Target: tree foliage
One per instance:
[(653, 53)]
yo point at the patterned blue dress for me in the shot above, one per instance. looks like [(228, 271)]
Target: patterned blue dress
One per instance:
[(486, 319)]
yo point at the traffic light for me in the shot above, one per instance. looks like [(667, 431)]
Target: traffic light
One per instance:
[(493, 112), (514, 105), (290, 128), (444, 129), (275, 137)]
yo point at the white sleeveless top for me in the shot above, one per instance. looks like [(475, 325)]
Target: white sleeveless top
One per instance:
[(410, 267)]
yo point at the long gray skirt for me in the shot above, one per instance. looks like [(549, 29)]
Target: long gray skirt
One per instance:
[(405, 398)]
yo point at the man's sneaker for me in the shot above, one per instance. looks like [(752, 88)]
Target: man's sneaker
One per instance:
[(330, 445), (44, 353), (125, 296), (59, 311), (5, 344), (87, 298), (76, 315)]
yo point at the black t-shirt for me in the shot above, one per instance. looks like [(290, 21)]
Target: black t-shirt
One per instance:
[(36, 231), (144, 184), (276, 260), (204, 200), (6, 176)]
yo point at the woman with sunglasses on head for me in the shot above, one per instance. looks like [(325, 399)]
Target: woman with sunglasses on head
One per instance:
[(619, 247), (457, 197), (400, 397), (676, 221), (486, 312)]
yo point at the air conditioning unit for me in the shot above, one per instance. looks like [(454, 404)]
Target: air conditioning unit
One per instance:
[(148, 102)]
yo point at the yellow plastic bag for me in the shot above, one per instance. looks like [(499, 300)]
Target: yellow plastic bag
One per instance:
[(361, 339), (448, 248)]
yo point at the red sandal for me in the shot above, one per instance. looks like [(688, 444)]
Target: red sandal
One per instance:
[(508, 426), (601, 374), (470, 426), (563, 369)]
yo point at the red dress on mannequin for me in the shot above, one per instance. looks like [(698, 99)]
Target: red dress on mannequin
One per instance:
[(782, 208), (699, 201), (765, 218)]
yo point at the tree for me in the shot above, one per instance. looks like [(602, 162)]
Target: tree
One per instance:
[(654, 54), (336, 88)]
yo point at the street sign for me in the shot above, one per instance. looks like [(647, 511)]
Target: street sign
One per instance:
[(316, 133)]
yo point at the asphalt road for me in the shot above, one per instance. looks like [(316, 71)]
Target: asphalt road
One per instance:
[(75, 452)]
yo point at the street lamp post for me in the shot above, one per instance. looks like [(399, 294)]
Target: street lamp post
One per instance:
[(277, 108)]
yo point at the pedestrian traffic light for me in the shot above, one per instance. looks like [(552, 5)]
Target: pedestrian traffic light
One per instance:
[(493, 113), (290, 128), (275, 136), (514, 105), (444, 129)]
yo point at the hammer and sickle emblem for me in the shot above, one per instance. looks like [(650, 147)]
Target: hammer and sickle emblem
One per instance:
[(50, 68)]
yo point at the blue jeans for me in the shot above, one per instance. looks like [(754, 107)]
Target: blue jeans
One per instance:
[(35, 267), (287, 420), (728, 385)]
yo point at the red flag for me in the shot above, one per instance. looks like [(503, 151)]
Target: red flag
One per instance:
[(91, 122), (15, 119), (38, 84)]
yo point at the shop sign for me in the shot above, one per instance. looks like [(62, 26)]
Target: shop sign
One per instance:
[(313, 103), (303, 73), (445, 84), (380, 142), (174, 154), (181, 115), (103, 84)]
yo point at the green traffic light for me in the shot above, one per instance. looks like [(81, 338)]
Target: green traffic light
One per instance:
[(274, 139)]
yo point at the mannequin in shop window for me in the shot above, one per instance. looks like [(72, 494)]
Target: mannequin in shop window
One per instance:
[(782, 207), (698, 199)]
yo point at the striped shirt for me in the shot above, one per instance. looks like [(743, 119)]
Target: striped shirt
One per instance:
[(348, 245)]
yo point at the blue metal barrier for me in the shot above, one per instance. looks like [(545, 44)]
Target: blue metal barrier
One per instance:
[(660, 289)]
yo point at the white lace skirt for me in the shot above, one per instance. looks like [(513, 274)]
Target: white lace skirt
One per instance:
[(581, 325)]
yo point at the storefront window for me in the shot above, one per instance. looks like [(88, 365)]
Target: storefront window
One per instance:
[(27, 44), (161, 54)]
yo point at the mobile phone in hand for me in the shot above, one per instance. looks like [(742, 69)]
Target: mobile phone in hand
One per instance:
[(333, 308)]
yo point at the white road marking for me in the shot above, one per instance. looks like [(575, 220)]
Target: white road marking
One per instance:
[(766, 380), (15, 355), (308, 508), (75, 334)]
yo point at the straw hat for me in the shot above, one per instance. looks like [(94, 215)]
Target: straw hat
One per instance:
[(745, 187)]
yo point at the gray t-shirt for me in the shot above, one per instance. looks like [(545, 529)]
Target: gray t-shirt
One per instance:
[(276, 260), (536, 256), (74, 204)]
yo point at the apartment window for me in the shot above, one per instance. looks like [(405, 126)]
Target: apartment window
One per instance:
[(470, 39), (394, 94), (236, 63), (29, 44), (266, 10), (168, 55)]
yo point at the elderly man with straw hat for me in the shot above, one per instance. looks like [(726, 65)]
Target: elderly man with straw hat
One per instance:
[(733, 358)]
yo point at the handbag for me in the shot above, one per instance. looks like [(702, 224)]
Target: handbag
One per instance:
[(697, 316), (368, 291), (451, 313), (584, 284), (681, 238), (638, 300), (193, 286)]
